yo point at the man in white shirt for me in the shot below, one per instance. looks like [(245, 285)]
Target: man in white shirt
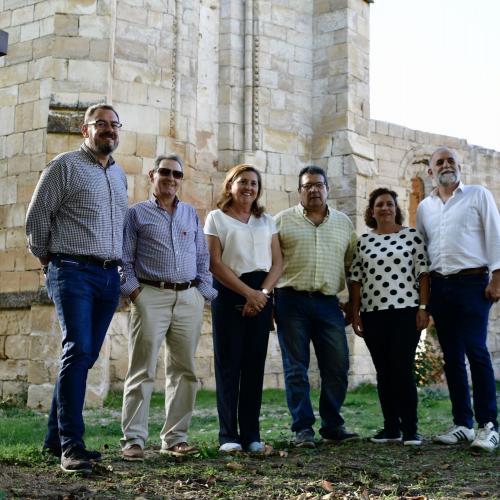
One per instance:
[(461, 227)]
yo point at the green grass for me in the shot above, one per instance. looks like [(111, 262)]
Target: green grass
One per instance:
[(357, 469), (22, 430)]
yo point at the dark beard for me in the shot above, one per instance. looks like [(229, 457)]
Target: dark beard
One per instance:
[(104, 147)]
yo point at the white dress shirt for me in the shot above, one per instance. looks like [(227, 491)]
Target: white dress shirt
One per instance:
[(462, 233)]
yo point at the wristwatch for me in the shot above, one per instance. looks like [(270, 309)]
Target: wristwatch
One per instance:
[(424, 307), (265, 291)]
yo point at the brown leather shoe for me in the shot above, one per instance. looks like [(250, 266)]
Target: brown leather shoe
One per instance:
[(179, 450), (133, 453)]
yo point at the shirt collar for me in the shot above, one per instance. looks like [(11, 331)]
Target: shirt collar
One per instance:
[(302, 210), (91, 155), (460, 188), (154, 200)]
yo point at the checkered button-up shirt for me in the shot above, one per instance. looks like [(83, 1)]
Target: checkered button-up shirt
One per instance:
[(315, 258), (78, 207), (159, 246)]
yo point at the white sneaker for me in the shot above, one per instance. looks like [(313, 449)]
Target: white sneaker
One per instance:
[(256, 447), (455, 434), (486, 438), (230, 447)]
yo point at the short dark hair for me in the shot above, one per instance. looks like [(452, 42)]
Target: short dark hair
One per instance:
[(92, 109), (173, 157), (313, 170), (369, 219)]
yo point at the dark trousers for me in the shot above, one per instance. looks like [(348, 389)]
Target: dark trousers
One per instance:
[(240, 348), (460, 311), (392, 338), (303, 318), (85, 297)]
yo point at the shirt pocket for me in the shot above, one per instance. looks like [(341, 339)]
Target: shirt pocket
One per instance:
[(187, 241)]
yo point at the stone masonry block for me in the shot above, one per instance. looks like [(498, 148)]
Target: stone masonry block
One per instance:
[(75, 6), (20, 52), (40, 396), (71, 47), (12, 369), (7, 120), (66, 24), (15, 391), (14, 145), (23, 15), (16, 347), (2, 347), (95, 26), (38, 373), (88, 71), (30, 31)]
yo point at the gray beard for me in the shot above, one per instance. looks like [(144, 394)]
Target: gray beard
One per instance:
[(448, 178)]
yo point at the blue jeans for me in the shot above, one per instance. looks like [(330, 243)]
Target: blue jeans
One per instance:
[(85, 297), (460, 311), (301, 318)]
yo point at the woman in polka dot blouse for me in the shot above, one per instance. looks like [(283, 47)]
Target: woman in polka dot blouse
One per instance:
[(390, 289)]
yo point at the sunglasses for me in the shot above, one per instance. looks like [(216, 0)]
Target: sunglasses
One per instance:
[(176, 174)]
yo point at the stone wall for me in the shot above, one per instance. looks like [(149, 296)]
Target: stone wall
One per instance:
[(278, 84)]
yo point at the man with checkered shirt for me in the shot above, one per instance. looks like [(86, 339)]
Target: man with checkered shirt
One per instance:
[(74, 226), (166, 277)]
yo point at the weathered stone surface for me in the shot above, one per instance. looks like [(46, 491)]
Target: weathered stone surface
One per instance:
[(303, 99), (40, 396)]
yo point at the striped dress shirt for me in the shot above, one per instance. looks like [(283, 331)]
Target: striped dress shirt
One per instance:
[(78, 207), (158, 246), (315, 258)]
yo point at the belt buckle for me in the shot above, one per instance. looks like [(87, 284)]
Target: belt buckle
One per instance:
[(162, 285), (106, 263), (175, 287)]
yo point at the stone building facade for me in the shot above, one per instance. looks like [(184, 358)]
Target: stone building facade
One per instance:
[(280, 84)]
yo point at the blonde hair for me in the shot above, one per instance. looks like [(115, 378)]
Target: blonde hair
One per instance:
[(225, 198)]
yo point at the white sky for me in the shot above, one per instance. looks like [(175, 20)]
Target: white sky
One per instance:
[(435, 66)]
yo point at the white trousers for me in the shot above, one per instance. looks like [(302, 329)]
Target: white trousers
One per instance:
[(155, 315)]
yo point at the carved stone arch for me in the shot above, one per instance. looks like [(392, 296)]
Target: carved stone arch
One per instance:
[(413, 174)]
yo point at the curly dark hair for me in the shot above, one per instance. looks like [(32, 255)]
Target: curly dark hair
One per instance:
[(369, 219)]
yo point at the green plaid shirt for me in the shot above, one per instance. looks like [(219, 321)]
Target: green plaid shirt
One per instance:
[(315, 258)]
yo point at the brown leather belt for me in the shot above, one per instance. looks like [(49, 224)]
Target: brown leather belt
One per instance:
[(178, 287), (463, 272)]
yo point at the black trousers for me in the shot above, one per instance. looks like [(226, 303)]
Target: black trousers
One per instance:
[(392, 338), (240, 348)]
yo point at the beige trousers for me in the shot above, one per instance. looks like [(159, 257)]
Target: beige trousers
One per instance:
[(176, 317)]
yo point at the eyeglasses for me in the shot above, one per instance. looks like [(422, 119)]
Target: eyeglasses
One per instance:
[(312, 185), (104, 124), (176, 174)]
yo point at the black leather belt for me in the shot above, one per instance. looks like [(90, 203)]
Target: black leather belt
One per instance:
[(89, 259), (314, 293), (464, 272), (178, 287)]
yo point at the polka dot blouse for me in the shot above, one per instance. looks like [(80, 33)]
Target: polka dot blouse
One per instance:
[(388, 267)]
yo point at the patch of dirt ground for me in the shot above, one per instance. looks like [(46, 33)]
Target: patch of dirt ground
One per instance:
[(350, 470)]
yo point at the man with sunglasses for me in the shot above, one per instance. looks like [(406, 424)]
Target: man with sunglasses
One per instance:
[(318, 245), (74, 226), (166, 277)]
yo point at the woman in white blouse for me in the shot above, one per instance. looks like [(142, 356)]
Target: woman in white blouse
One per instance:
[(245, 259), (390, 291)]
